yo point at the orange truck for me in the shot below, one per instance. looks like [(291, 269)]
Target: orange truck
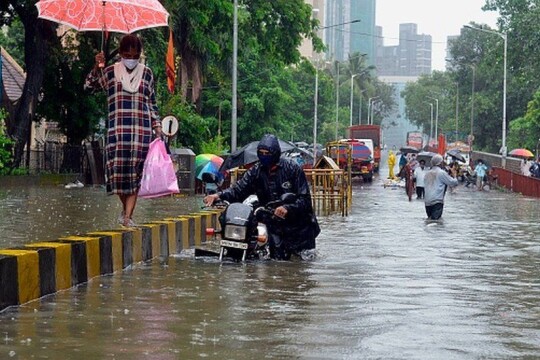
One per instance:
[(415, 139), (372, 132)]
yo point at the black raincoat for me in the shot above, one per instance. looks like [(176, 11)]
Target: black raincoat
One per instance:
[(300, 228)]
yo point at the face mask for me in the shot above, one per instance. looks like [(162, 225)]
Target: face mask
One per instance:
[(130, 63), (266, 160)]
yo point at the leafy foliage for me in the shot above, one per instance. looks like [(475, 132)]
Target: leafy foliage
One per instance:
[(524, 130), (6, 145), (276, 88)]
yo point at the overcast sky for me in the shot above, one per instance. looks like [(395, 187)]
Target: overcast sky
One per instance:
[(438, 18)]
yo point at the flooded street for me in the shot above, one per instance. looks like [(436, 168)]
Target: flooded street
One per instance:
[(40, 213), (385, 285)]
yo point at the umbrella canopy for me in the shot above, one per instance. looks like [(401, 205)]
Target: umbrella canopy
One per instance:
[(409, 150), (248, 154), (523, 153), (456, 154), (207, 163), (123, 16), (426, 156)]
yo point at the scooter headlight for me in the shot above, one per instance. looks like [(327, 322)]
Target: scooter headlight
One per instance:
[(235, 232)]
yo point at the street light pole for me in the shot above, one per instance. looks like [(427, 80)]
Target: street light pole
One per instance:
[(369, 121), (436, 119), (431, 127), (360, 108), (372, 107), (337, 99), (352, 90), (504, 36), (315, 113), (457, 108), (234, 78), (471, 139)]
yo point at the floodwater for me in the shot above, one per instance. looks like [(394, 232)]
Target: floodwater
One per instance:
[(385, 285), (41, 213)]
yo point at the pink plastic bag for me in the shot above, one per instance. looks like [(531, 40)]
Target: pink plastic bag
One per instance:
[(158, 178)]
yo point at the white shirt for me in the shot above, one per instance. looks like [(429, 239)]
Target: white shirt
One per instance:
[(419, 175)]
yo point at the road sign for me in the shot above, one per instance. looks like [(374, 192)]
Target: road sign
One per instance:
[(169, 125)]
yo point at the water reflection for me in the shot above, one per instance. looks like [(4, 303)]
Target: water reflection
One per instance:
[(385, 285)]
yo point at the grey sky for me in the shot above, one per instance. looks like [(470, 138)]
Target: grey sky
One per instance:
[(438, 18)]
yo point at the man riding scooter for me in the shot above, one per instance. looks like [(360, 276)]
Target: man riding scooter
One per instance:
[(270, 178)]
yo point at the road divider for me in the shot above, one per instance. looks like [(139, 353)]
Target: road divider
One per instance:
[(43, 268)]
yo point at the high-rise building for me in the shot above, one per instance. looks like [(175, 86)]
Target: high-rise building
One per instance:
[(350, 28), (306, 48), (411, 57), (396, 124)]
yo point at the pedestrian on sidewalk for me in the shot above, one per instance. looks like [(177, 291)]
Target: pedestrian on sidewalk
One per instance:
[(133, 114), (481, 171), (435, 183)]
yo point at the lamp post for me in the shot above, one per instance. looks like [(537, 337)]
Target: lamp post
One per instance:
[(431, 126), (504, 36), (372, 107), (337, 100), (436, 119), (316, 105), (360, 107), (457, 108), (369, 121), (352, 90), (234, 78), (471, 139)]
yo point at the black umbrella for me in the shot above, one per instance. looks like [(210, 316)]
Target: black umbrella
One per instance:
[(248, 154), (456, 154), (409, 150)]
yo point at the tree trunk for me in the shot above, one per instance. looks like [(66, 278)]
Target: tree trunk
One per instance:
[(36, 49)]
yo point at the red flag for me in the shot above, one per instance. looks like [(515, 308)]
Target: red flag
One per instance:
[(441, 149), (169, 64)]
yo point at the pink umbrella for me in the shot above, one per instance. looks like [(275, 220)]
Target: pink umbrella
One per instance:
[(123, 16), (524, 153)]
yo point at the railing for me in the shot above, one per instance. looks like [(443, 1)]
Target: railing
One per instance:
[(329, 191), (55, 159), (518, 183)]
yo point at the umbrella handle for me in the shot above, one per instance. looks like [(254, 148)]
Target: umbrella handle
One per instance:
[(102, 65)]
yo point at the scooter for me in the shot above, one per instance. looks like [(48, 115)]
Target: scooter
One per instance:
[(243, 232)]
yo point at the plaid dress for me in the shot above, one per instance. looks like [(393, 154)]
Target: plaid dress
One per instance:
[(129, 128)]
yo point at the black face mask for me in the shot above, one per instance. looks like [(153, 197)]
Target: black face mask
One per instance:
[(266, 160)]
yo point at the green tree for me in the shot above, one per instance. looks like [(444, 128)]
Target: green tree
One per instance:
[(524, 130), (13, 40), (37, 34)]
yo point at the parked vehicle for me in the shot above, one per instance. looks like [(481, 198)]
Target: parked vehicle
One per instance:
[(415, 139), (372, 132), (354, 153)]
